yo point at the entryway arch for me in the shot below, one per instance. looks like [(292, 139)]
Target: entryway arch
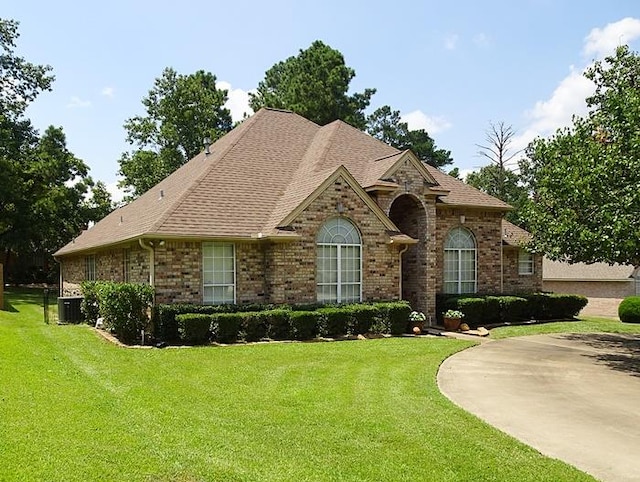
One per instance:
[(409, 215)]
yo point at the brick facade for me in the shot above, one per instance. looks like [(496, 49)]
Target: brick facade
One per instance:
[(513, 282), (486, 227), (291, 267), (285, 271)]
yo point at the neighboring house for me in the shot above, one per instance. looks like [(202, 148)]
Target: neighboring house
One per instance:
[(597, 280), (281, 210)]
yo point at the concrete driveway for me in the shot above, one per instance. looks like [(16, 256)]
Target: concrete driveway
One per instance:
[(575, 397)]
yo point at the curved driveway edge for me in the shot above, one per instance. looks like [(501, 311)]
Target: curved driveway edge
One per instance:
[(575, 397)]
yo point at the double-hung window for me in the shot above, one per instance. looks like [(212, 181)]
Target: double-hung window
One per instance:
[(218, 272), (525, 262), (339, 262), (90, 268)]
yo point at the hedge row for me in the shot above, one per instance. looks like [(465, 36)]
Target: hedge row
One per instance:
[(480, 309), (124, 307), (195, 324)]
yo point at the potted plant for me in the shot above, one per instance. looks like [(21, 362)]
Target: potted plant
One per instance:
[(417, 319), (452, 319)]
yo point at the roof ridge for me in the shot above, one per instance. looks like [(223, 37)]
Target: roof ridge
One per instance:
[(245, 126)]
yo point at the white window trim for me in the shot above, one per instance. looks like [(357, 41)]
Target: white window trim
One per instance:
[(530, 264), (208, 285), (458, 252), (339, 282)]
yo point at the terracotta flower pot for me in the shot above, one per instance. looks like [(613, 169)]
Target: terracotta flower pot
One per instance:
[(452, 324)]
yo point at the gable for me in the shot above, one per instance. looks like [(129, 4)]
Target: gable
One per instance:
[(340, 175)]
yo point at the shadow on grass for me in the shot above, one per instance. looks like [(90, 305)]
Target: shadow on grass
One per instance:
[(618, 351), (22, 296)]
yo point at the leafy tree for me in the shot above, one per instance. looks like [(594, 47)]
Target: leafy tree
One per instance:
[(181, 111), (386, 125), (20, 81), (505, 185), (44, 199), (585, 178), (313, 84)]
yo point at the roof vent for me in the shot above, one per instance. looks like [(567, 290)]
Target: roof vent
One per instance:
[(121, 219), (207, 142), (161, 194)]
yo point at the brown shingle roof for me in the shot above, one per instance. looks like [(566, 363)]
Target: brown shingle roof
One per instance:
[(254, 177), (462, 194), (513, 235)]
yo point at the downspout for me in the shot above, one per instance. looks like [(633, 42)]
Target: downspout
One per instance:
[(501, 266), (400, 253), (61, 278), (152, 261)]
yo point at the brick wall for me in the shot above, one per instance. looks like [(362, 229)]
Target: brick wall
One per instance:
[(417, 219), (178, 272), (593, 289), (513, 282), (109, 266), (291, 267), (486, 227)]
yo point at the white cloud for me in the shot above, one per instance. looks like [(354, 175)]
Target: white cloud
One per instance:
[(568, 98), (77, 102), (117, 194), (451, 41), (481, 40), (108, 92), (419, 120), (237, 101), (603, 41)]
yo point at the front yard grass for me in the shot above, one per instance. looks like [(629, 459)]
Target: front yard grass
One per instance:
[(584, 324), (75, 407)]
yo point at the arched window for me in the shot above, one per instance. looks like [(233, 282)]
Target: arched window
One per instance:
[(339, 272), (460, 262)]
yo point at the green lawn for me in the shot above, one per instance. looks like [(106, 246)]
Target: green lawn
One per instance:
[(584, 325), (75, 407)]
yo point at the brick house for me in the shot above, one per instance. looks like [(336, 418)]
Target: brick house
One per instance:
[(281, 210)]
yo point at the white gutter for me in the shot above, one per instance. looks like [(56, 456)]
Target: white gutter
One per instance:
[(152, 261)]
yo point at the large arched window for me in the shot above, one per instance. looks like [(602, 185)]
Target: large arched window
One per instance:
[(339, 272), (460, 262)]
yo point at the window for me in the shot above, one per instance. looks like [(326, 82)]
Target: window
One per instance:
[(218, 273), (126, 264), (90, 268), (525, 262), (460, 262), (339, 259)]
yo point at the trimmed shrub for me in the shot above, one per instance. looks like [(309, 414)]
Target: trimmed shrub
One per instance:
[(165, 326), (334, 321), (629, 310), (492, 309), (563, 306), (255, 325), (473, 309), (362, 318), (397, 316), (194, 329), (304, 324), (279, 324), (124, 306), (513, 308), (90, 305), (225, 327)]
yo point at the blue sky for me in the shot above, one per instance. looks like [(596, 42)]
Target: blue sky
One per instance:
[(450, 66)]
